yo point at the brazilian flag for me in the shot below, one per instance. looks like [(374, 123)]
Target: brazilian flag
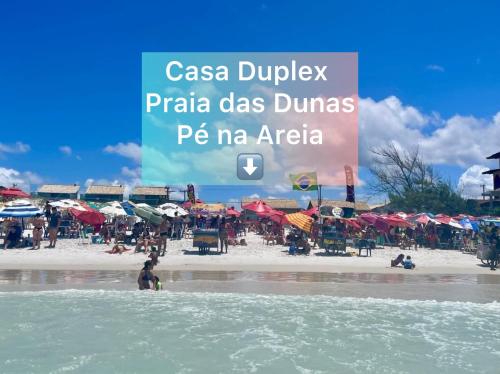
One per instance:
[(305, 181)]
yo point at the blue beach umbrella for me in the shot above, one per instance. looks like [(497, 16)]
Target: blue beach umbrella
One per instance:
[(20, 209)]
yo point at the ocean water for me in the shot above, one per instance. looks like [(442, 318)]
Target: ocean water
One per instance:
[(110, 331)]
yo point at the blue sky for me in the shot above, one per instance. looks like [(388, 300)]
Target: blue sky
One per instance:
[(70, 75)]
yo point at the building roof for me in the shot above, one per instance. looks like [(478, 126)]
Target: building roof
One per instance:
[(492, 171), (59, 188), (493, 156), (105, 190), (149, 190), (274, 203), (358, 205)]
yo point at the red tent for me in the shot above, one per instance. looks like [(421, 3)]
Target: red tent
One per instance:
[(89, 217), (257, 207), (13, 193)]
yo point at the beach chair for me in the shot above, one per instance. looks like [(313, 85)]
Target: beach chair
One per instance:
[(84, 237)]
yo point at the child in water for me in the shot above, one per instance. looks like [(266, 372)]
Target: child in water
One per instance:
[(157, 284)]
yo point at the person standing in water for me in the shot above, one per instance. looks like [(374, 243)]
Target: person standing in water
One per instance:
[(146, 276)]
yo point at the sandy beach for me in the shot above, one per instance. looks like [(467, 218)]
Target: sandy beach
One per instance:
[(70, 255)]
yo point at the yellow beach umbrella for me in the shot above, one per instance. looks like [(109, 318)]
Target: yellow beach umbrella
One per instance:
[(301, 221)]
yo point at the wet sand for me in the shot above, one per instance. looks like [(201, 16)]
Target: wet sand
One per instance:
[(479, 288)]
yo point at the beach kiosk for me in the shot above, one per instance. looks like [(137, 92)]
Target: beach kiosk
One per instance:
[(332, 241), (205, 239)]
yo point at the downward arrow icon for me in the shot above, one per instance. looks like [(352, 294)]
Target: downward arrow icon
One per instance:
[(250, 168)]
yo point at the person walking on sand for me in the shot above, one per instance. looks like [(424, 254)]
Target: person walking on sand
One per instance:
[(54, 222), (38, 226)]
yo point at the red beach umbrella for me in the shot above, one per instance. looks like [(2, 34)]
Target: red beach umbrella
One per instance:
[(257, 207), (232, 212), (14, 193), (89, 217)]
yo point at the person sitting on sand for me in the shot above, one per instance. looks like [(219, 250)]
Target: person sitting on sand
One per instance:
[(118, 249), (13, 237), (146, 276), (145, 241), (397, 260), (408, 263), (157, 284), (105, 234)]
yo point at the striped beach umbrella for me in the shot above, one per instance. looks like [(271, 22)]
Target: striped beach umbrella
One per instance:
[(300, 220), (20, 209)]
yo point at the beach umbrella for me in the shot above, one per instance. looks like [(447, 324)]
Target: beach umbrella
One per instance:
[(396, 220), (114, 209), (469, 224), (313, 211), (423, 218), (275, 215), (69, 204), (20, 209), (128, 208), (352, 222), (300, 220), (170, 209), (368, 218), (13, 193), (447, 220), (89, 217), (257, 207), (148, 213), (232, 212)]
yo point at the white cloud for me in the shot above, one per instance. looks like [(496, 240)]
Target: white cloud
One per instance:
[(254, 196), (435, 67), (66, 149), (24, 180), (18, 147), (132, 173), (471, 181), (459, 141), (129, 150)]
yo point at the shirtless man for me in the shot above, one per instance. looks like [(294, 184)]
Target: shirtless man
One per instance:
[(38, 226), (163, 230)]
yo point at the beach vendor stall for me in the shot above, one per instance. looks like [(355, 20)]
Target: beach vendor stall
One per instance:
[(204, 239), (331, 239)]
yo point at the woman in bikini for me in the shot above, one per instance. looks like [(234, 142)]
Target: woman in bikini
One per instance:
[(38, 225)]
